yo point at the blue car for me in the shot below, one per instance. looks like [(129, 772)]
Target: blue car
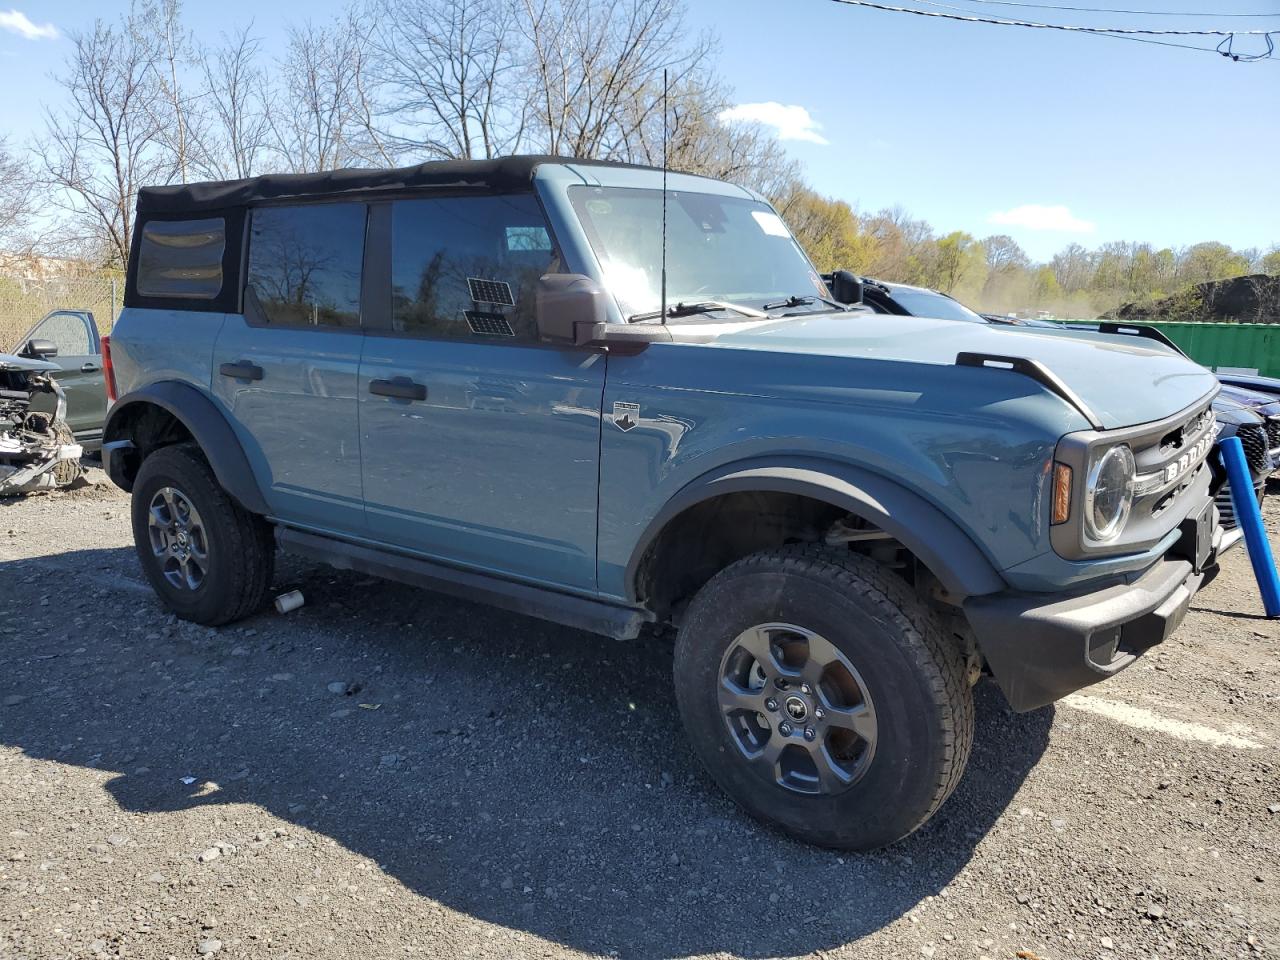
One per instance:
[(618, 399)]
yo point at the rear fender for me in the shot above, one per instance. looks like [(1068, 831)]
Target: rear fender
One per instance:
[(202, 419)]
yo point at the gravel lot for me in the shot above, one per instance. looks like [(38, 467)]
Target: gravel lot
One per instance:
[(386, 773)]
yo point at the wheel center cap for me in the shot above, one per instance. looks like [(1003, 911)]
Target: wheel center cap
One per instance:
[(797, 709)]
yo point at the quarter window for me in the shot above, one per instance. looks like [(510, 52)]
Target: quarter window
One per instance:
[(305, 264), (464, 268), (181, 259)]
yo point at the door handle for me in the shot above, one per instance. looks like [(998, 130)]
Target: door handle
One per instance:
[(400, 387), (89, 368), (241, 370)]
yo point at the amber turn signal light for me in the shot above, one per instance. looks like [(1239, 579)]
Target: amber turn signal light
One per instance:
[(1061, 493)]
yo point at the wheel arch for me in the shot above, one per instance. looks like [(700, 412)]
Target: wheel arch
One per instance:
[(930, 535), (169, 411)]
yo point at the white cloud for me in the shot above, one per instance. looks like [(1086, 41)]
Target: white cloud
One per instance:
[(1034, 216), (792, 122), (15, 21)]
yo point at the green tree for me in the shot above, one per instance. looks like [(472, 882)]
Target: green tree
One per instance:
[(1211, 261), (827, 229), (957, 258)]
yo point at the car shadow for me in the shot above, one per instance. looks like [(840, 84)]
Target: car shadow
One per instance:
[(528, 775)]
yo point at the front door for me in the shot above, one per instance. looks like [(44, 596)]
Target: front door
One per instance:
[(286, 369), (480, 445), (79, 362)]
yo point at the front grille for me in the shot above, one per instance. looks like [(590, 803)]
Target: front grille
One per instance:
[(1226, 511), (1273, 432), (1254, 440)]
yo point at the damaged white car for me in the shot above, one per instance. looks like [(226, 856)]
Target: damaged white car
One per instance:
[(37, 449)]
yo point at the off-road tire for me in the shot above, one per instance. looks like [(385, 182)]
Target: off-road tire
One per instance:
[(241, 548), (913, 673)]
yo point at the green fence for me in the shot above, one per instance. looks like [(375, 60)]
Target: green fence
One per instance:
[(1250, 346)]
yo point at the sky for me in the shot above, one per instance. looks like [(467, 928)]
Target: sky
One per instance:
[(1050, 137)]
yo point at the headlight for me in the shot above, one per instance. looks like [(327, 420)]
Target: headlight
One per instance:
[(1109, 493)]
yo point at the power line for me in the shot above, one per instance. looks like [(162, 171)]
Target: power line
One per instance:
[(1219, 51), (1141, 13), (1224, 48), (1060, 26)]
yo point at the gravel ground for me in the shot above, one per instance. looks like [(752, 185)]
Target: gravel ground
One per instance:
[(385, 772)]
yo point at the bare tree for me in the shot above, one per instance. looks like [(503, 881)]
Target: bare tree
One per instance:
[(157, 28), (235, 89), (17, 200), (595, 71), (105, 143), (448, 69), (698, 141), (1003, 254), (323, 78)]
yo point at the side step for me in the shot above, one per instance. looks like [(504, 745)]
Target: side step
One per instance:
[(581, 613)]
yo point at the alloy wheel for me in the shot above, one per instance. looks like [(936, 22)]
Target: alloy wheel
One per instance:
[(178, 539), (797, 709)]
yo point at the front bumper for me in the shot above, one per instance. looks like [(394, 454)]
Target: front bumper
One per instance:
[(1042, 647)]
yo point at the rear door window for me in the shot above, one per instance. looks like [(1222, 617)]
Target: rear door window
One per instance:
[(305, 264), (464, 268), (181, 259)]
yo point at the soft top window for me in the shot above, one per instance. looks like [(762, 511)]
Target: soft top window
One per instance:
[(181, 259)]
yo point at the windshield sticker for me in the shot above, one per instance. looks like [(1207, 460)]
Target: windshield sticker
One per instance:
[(625, 415), (770, 223), (491, 291)]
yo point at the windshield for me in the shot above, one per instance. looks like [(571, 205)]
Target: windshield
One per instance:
[(926, 303), (730, 249)]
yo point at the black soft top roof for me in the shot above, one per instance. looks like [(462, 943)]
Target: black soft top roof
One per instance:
[(505, 174)]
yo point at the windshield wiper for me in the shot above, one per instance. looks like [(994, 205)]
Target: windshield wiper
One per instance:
[(702, 306), (804, 301)]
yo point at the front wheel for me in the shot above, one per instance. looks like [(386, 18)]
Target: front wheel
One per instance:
[(208, 559), (821, 695)]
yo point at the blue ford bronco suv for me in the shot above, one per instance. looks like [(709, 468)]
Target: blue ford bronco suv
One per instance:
[(589, 393)]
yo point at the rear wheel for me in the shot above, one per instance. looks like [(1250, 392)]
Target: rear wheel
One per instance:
[(822, 696), (208, 559)]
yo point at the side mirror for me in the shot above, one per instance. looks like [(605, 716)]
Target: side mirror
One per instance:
[(845, 287), (568, 307), (40, 349)]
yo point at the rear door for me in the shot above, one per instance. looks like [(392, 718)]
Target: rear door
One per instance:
[(480, 444), (285, 369), (80, 364)]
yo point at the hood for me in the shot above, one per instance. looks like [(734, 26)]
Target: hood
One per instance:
[(1124, 380), (9, 361), (1269, 385), (1248, 398), (1232, 412)]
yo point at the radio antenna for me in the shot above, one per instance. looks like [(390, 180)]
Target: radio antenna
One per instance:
[(664, 195)]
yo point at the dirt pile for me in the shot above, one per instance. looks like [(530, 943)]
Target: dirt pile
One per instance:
[(1250, 299)]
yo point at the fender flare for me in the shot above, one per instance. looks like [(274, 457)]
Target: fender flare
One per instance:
[(936, 539), (206, 424)]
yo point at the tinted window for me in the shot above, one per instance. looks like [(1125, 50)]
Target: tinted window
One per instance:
[(464, 268), (305, 264), (67, 332), (926, 303), (181, 258)]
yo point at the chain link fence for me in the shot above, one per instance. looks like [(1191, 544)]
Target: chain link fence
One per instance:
[(24, 300)]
